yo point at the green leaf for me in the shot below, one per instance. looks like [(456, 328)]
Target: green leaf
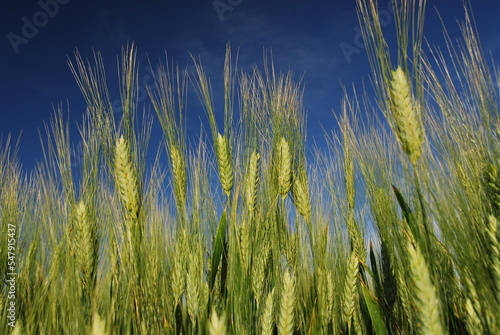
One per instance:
[(377, 320), (407, 212), (373, 260), (389, 281), (402, 203), (218, 248)]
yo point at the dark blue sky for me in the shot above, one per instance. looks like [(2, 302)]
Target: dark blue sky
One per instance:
[(315, 38)]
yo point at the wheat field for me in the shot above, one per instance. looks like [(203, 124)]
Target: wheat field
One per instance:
[(390, 229)]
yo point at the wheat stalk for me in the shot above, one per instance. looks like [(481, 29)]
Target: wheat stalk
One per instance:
[(402, 291), (252, 181), (287, 305), (355, 234), (301, 196), (325, 296), (284, 161), (245, 244), (473, 321), (347, 145), (426, 298), (330, 295), (179, 272), (492, 233), (126, 180), (225, 162), (492, 179), (267, 318), (128, 189), (406, 114), (351, 296), (179, 175), (85, 250), (259, 264), (193, 288), (216, 325)]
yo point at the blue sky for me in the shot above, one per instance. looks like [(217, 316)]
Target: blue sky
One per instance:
[(317, 39)]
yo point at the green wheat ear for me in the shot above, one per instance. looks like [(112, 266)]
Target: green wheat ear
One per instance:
[(126, 179), (267, 318), (492, 235), (85, 249), (179, 175), (179, 271), (301, 196), (98, 325), (252, 181), (225, 161), (351, 295), (287, 305), (284, 167), (405, 111), (216, 324), (426, 298), (492, 186)]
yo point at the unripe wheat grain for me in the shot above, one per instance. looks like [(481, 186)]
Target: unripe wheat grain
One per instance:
[(225, 161), (301, 196), (351, 296), (179, 175), (267, 318), (284, 167), (251, 181), (217, 325), (287, 305), (126, 180), (426, 298), (406, 115)]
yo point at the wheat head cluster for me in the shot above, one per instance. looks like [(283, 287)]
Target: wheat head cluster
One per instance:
[(392, 228)]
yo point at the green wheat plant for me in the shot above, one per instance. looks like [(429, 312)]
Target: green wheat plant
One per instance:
[(391, 228)]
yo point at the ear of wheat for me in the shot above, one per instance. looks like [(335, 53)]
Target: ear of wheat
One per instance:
[(301, 196), (287, 305), (225, 162), (351, 296), (126, 179), (179, 175), (406, 113), (216, 324), (426, 298), (284, 163), (85, 249), (267, 318), (252, 181)]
